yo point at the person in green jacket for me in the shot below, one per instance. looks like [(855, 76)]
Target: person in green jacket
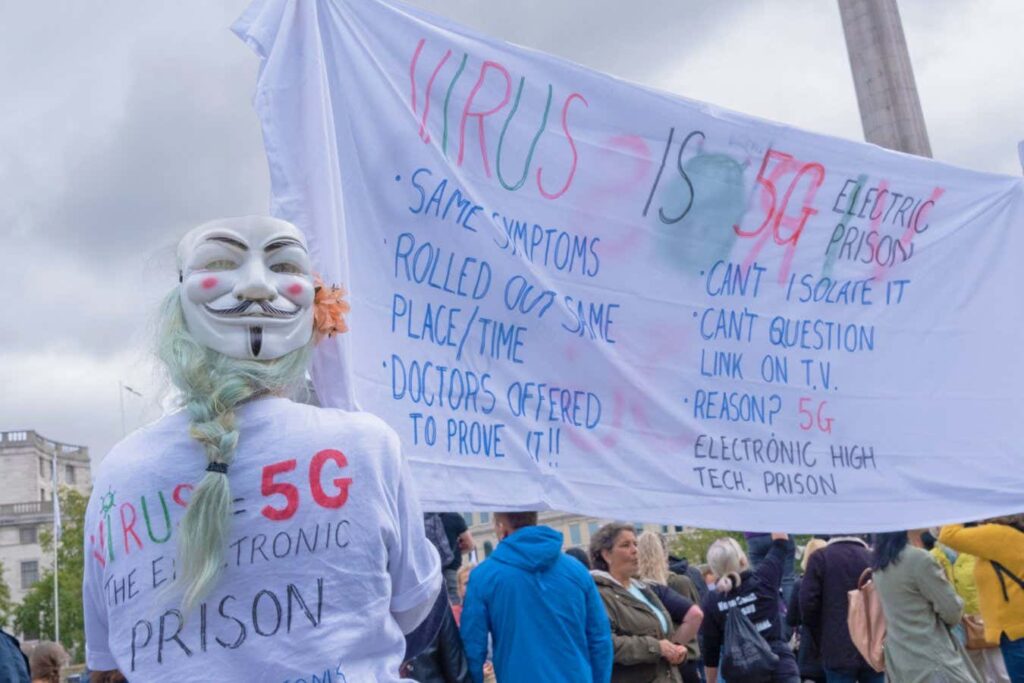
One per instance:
[(920, 607), (642, 632)]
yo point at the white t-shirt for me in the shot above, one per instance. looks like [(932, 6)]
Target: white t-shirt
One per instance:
[(326, 543)]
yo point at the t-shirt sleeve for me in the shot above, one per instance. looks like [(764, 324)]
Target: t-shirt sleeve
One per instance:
[(97, 648), (413, 563)]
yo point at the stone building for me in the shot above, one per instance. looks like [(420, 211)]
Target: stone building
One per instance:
[(576, 529), (26, 501)]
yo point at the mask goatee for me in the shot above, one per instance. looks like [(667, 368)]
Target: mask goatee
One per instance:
[(255, 340)]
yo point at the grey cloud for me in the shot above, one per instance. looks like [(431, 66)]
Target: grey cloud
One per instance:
[(124, 123), (626, 39)]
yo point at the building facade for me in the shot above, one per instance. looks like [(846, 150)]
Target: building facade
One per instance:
[(26, 501), (576, 530)]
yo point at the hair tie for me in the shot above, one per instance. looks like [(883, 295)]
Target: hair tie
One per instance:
[(221, 467)]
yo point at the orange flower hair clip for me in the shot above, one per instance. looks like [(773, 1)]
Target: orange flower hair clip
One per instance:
[(329, 309)]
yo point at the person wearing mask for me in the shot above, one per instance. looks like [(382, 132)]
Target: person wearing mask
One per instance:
[(679, 596), (641, 627), (808, 657), (46, 661), (832, 572), (739, 586), (540, 607), (920, 608), (241, 461), (999, 574)]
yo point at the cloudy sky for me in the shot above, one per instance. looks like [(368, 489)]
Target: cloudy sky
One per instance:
[(123, 123)]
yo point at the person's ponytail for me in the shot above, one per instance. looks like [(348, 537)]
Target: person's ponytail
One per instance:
[(728, 583), (213, 386)]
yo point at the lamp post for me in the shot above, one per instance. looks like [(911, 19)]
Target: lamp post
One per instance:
[(122, 387)]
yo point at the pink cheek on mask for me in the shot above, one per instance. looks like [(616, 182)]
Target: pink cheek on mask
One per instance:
[(209, 283), (296, 289)]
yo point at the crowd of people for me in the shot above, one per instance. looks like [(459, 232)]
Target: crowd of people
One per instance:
[(625, 611)]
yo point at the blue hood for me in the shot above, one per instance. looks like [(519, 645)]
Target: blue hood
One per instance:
[(532, 548)]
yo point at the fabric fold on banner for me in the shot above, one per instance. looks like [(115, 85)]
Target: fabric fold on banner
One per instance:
[(571, 292)]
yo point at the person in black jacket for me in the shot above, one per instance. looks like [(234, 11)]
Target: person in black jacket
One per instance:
[(807, 650), (832, 572), (444, 660), (680, 565), (808, 656), (754, 592)]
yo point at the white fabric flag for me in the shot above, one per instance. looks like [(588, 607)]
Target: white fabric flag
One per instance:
[(574, 293)]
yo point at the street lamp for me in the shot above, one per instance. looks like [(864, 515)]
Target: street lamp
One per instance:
[(123, 388)]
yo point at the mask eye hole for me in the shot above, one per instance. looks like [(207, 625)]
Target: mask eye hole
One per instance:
[(221, 264), (288, 268)]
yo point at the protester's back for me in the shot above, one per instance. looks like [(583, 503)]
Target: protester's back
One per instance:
[(832, 572), (543, 610)]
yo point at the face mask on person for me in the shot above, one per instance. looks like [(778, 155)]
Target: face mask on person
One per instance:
[(247, 287)]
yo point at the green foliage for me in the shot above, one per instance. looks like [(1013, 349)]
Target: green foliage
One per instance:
[(35, 616), (693, 543), (6, 606)]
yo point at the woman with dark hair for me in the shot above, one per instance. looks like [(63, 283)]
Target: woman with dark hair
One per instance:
[(920, 608), (999, 574), (642, 634), (579, 554)]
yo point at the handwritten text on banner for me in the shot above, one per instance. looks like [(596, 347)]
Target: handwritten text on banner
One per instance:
[(571, 292)]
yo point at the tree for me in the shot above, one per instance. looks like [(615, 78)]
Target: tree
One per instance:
[(6, 606), (35, 616), (693, 543)]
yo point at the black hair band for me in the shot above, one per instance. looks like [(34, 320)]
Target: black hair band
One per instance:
[(221, 467)]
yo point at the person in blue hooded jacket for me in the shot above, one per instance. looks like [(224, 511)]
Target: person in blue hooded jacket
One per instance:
[(540, 607)]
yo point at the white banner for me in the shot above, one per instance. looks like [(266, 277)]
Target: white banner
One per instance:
[(575, 293)]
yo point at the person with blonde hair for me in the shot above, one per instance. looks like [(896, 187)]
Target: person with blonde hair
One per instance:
[(679, 596), (756, 593), (461, 583), (247, 536)]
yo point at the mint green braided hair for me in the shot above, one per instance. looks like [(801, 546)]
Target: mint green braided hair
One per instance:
[(212, 386)]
